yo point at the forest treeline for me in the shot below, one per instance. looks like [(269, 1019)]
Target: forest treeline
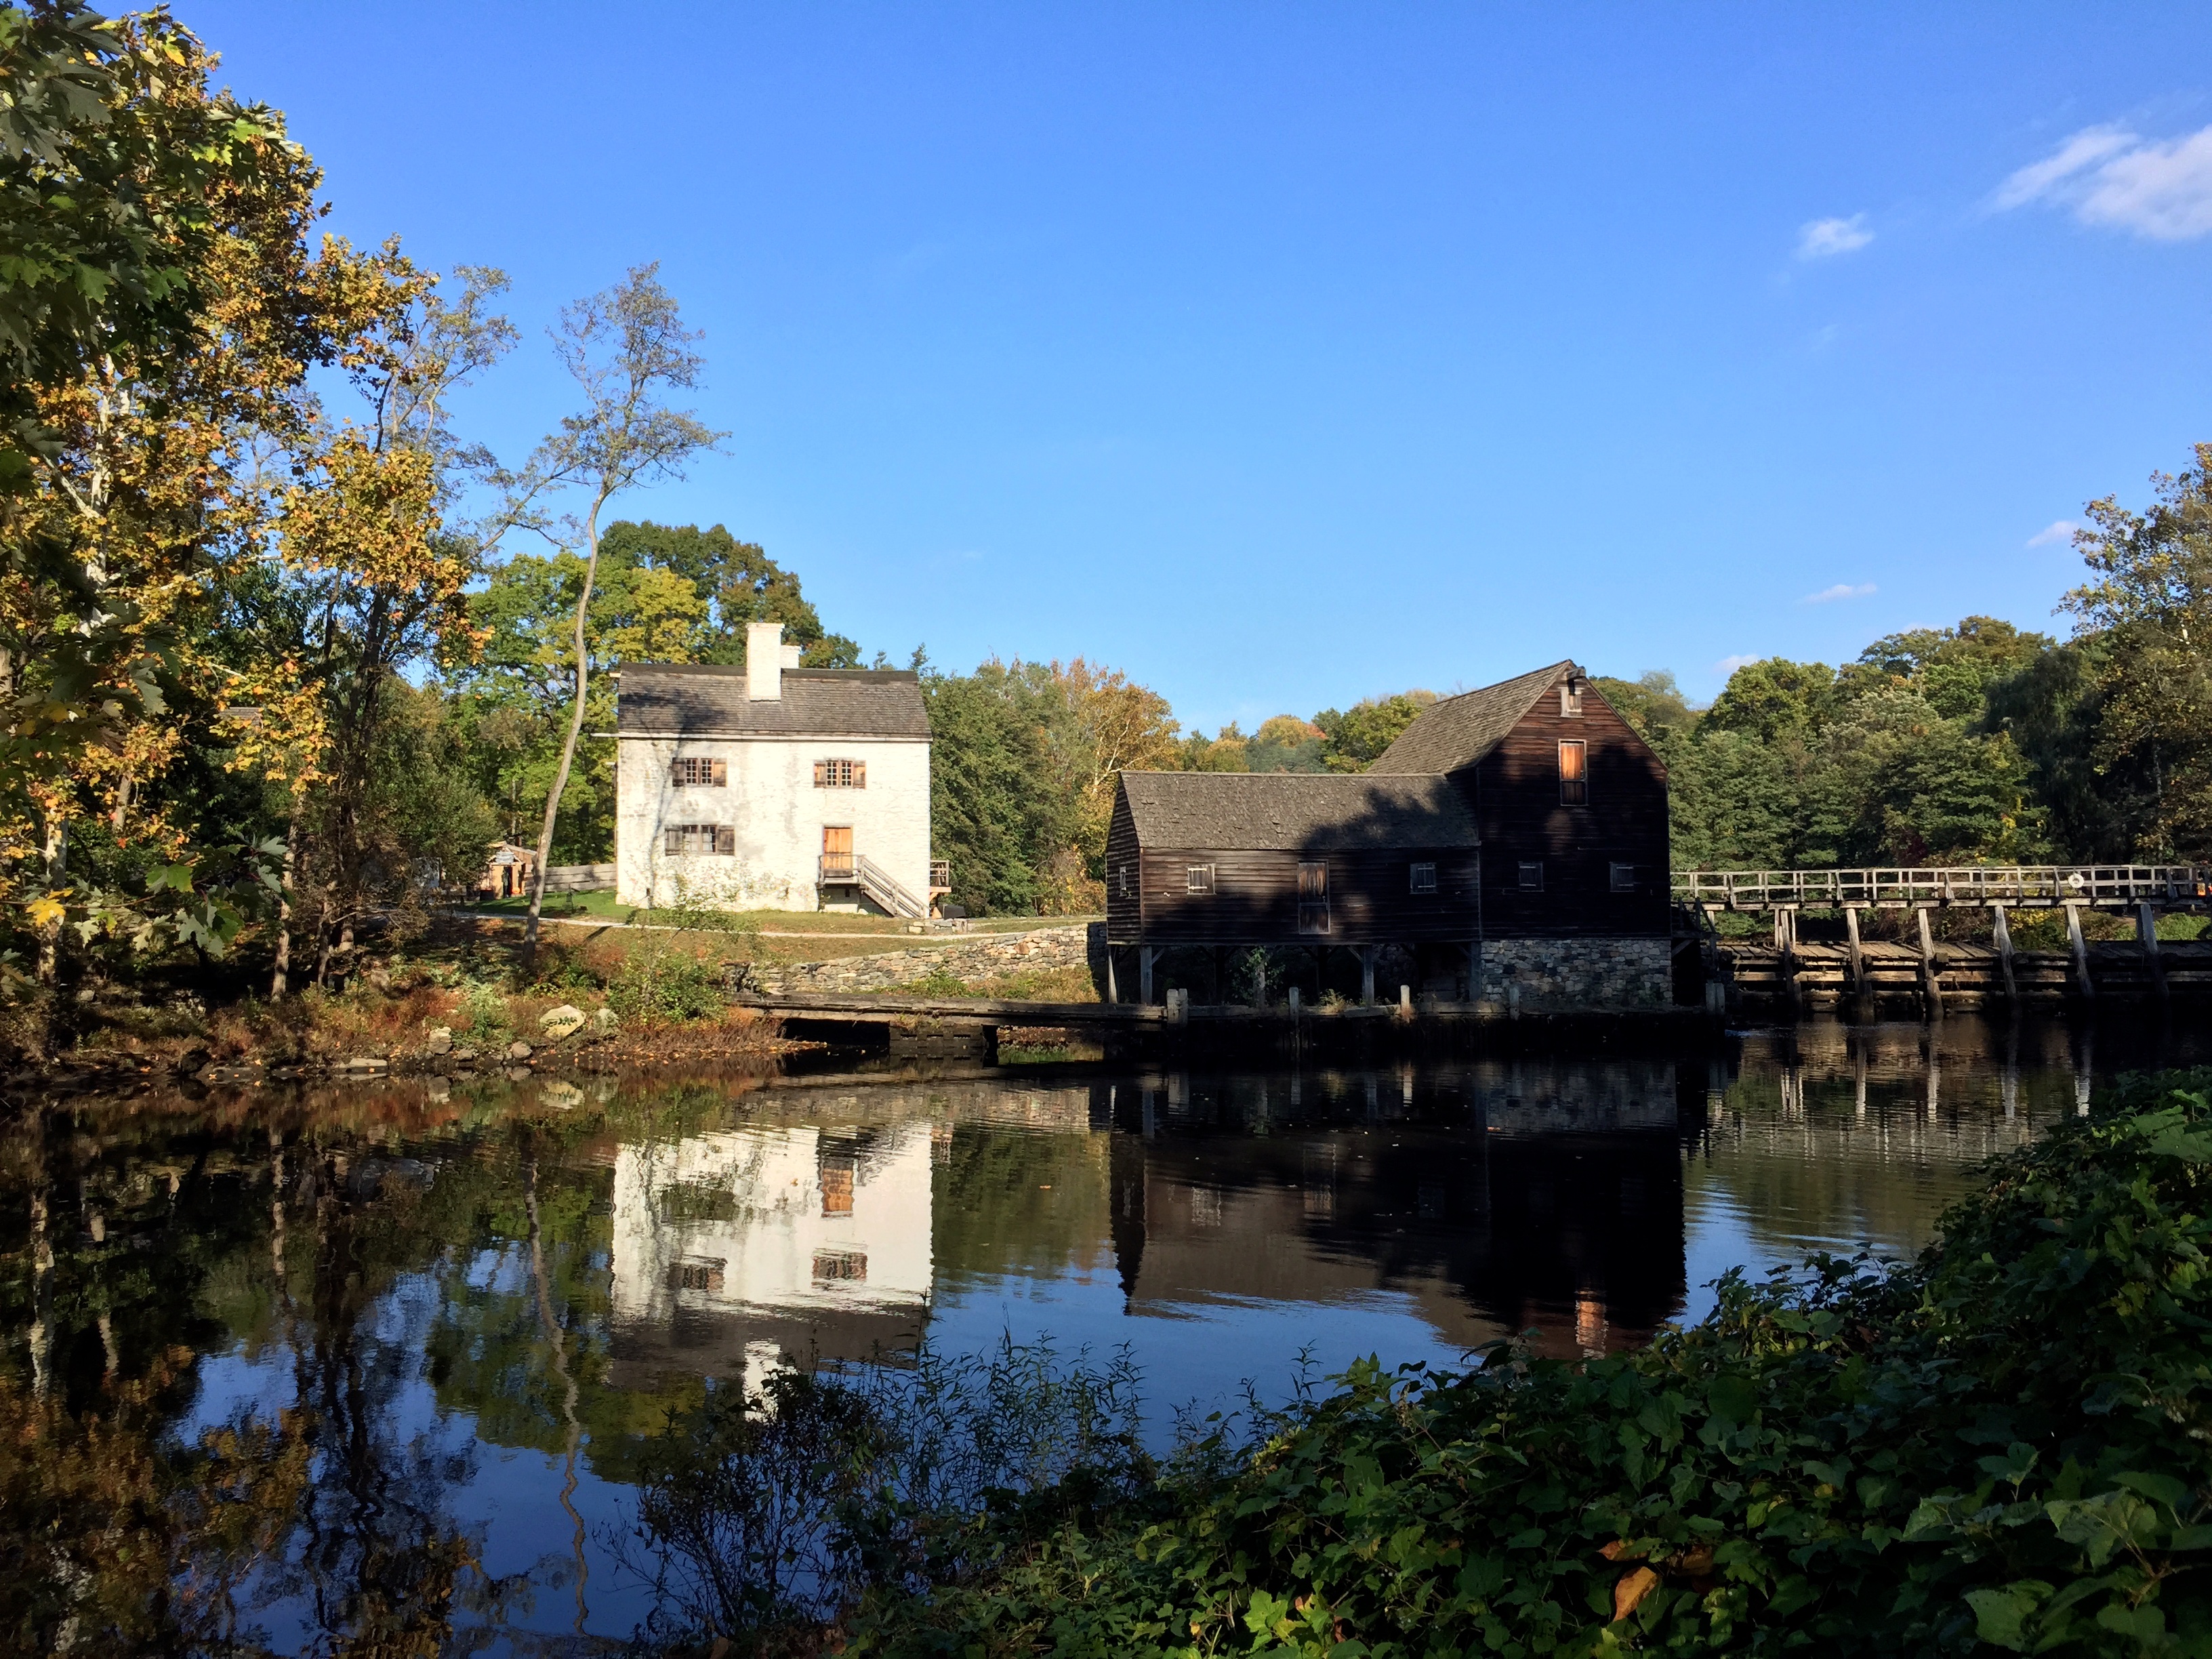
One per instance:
[(281, 649)]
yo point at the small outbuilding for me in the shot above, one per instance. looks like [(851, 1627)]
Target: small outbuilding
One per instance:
[(1513, 841)]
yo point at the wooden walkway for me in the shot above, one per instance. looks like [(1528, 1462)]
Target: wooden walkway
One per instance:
[(2032, 886)]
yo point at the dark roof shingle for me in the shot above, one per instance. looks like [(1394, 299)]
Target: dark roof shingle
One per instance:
[(1453, 733), (698, 700), (1280, 811)]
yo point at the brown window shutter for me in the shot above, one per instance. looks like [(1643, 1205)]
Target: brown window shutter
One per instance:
[(726, 839), (821, 774), (721, 774), (859, 775), (676, 773), (671, 842)]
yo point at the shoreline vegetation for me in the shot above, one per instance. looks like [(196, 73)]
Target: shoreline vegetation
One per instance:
[(2006, 1444)]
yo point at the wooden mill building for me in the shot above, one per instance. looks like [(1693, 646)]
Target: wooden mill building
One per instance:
[(1511, 845)]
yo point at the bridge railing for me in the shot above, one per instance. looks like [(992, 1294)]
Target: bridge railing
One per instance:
[(2032, 885)]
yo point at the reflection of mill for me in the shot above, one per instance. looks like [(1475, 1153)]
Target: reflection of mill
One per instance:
[(1496, 1199), (735, 1249)]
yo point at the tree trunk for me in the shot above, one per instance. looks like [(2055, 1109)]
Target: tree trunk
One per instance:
[(278, 980), (56, 851), (575, 730)]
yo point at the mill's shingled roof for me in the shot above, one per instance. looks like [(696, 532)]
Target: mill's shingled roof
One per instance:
[(1276, 812), (693, 700), (1455, 732)]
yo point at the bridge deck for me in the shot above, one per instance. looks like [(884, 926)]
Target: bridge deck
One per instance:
[(2041, 886)]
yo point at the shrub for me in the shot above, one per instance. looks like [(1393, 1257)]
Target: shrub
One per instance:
[(660, 988), (2008, 1442)]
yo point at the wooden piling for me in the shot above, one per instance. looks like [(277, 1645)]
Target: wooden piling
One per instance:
[(1931, 987), (1366, 976), (1858, 956), (2003, 933), (1145, 953), (2080, 951), (2146, 931)]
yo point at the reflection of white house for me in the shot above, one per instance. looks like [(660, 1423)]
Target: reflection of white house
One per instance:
[(773, 786), (728, 1247)]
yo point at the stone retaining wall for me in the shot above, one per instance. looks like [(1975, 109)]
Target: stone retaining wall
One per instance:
[(980, 958), (1578, 973)]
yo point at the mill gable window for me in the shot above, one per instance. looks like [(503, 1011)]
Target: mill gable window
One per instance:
[(1571, 698), (693, 772), (1574, 772), (1624, 877), (682, 840), (1532, 876), (1423, 879), (1313, 898), (841, 775), (1197, 878)]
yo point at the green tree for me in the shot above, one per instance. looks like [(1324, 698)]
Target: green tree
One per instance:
[(1898, 783), (1736, 804), (1284, 742), (1776, 701), (738, 583), (1354, 740), (1654, 704), (2150, 598)]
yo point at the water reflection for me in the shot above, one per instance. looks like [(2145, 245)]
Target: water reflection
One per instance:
[(373, 1366)]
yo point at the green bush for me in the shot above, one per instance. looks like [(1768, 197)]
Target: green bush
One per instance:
[(2008, 1443), (660, 988)]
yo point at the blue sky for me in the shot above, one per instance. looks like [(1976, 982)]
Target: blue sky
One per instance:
[(1282, 355)]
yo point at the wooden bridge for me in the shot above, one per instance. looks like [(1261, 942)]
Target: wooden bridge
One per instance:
[(2035, 886), (1799, 974)]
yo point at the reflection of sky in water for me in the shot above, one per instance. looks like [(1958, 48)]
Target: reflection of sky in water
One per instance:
[(1373, 1216)]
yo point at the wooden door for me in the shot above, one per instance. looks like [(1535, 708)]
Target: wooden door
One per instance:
[(836, 851)]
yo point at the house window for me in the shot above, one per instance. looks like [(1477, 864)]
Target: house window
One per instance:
[(1532, 876), (1313, 898), (1424, 878), (840, 1268), (841, 775), (836, 1178), (682, 840), (1197, 878), (1571, 698), (1574, 772), (1121, 876), (690, 772), (1624, 877)]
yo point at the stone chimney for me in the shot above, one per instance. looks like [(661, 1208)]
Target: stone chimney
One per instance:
[(765, 661)]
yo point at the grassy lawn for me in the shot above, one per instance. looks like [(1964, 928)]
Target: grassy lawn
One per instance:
[(604, 907)]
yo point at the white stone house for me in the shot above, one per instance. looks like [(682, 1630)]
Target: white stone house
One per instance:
[(773, 786)]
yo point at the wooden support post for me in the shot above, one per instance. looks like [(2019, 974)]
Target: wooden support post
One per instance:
[(1367, 976), (1475, 971), (1221, 974), (2081, 947), (1857, 956), (1931, 987), (2002, 933), (1785, 942), (1113, 989), (1145, 955), (2146, 931), (1320, 974)]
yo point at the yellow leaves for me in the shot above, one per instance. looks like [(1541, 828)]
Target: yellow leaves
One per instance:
[(46, 912)]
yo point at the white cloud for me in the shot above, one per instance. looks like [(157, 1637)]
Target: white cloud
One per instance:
[(1840, 590), (1729, 665), (2162, 190), (2052, 534), (1823, 239)]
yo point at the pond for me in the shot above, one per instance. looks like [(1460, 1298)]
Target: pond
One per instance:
[(442, 1322)]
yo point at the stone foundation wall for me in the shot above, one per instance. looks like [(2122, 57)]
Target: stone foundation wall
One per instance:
[(973, 958), (1578, 973)]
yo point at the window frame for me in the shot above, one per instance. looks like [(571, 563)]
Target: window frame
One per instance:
[(1421, 878), (676, 841), (1622, 877), (1574, 791), (1198, 880), (839, 772), (1528, 866), (1313, 897), (1570, 700), (685, 772)]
